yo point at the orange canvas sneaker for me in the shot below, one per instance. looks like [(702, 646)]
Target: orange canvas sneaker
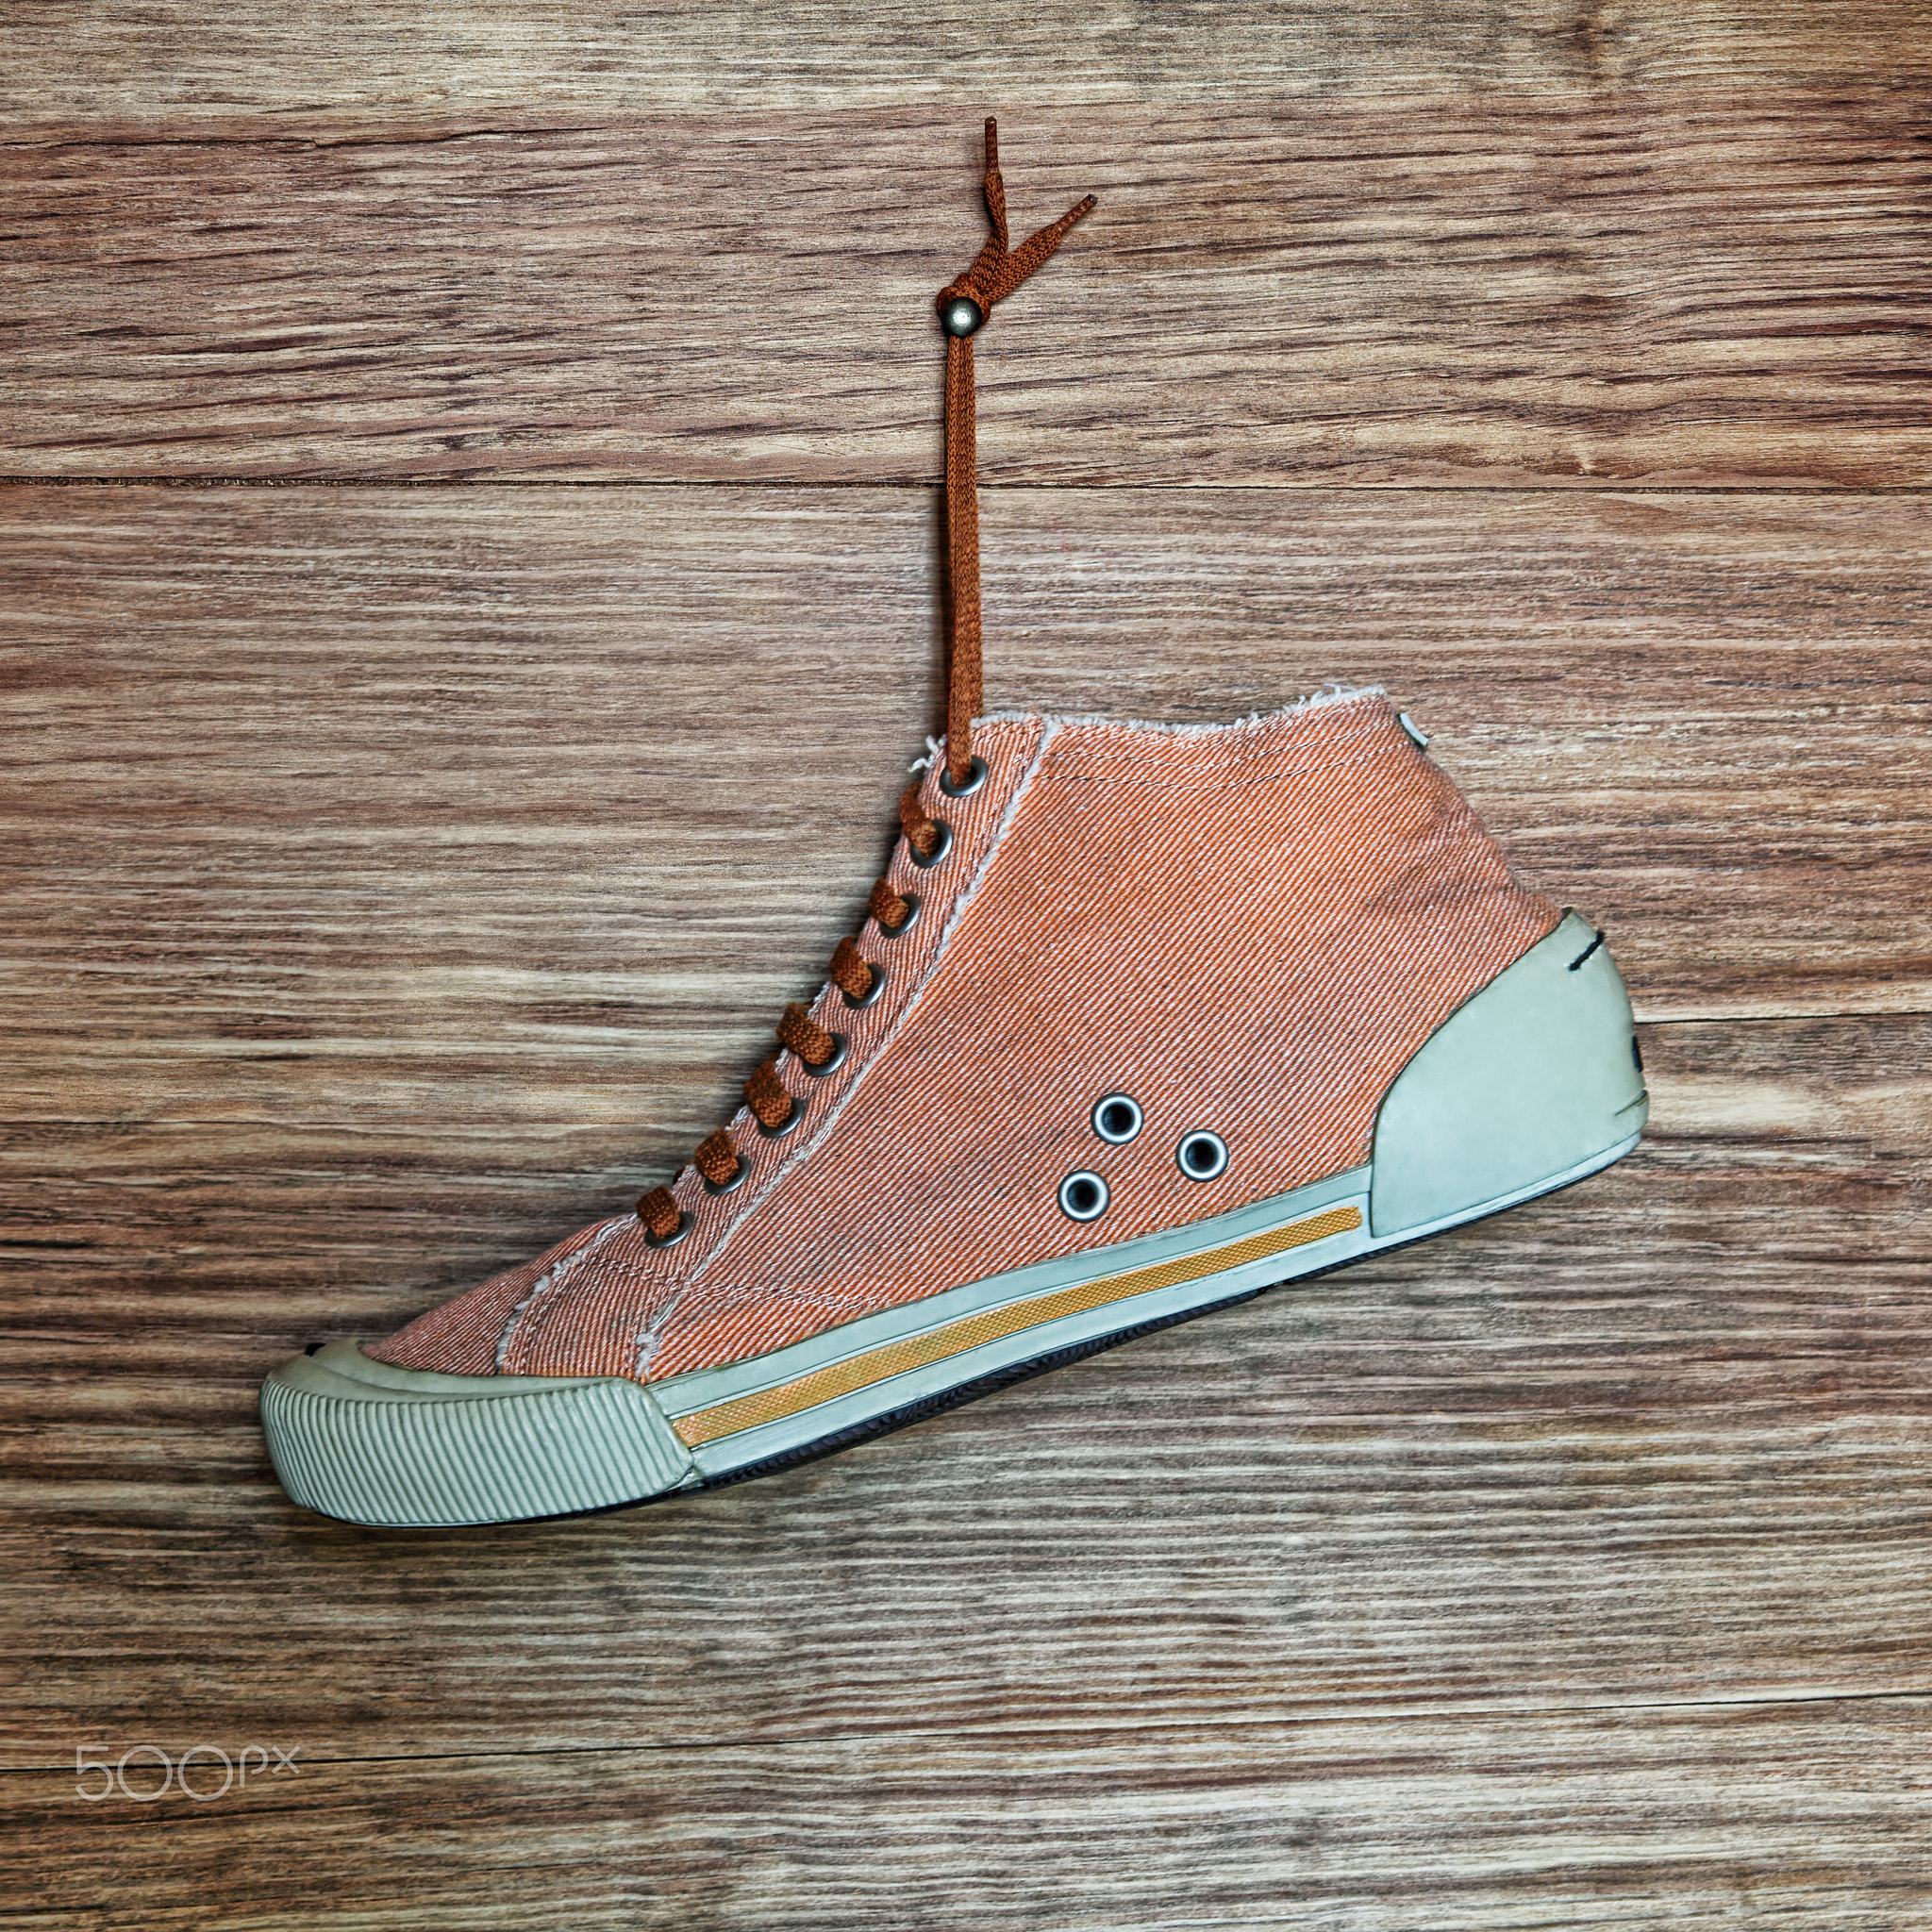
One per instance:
[(1142, 1020)]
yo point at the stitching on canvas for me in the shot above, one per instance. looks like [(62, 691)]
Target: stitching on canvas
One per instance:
[(552, 1277)]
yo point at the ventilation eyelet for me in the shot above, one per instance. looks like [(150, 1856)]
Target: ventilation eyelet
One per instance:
[(1117, 1118), (940, 846), (1201, 1156), (840, 1045), (671, 1240), (1083, 1196), (976, 777), (872, 991)]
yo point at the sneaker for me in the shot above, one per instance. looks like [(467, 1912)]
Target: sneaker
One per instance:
[(1142, 1020)]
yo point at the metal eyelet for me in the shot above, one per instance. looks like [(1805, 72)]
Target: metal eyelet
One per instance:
[(942, 845), (671, 1240), (871, 993), (976, 777), (737, 1180), (906, 925), (840, 1045), (1083, 1196), (1117, 1118), (1201, 1156), (784, 1126)]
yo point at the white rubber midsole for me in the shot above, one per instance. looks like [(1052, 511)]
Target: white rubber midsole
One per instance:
[(374, 1443)]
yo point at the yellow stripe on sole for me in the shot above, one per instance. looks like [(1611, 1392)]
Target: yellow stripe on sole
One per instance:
[(972, 1331)]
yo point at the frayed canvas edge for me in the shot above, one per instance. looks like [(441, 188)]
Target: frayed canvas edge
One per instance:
[(1327, 697)]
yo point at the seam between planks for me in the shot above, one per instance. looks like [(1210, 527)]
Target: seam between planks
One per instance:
[(1093, 1733), (1609, 486)]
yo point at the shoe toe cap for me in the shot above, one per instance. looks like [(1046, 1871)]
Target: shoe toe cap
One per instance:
[(374, 1442)]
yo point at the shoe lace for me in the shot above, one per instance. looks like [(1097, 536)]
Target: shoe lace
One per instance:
[(963, 305)]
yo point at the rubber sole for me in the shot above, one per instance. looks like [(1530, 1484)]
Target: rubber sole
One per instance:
[(367, 1443)]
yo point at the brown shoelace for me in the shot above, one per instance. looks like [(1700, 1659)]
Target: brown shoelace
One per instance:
[(963, 305)]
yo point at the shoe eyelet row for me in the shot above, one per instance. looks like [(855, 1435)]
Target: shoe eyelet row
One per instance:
[(1088, 1204), (1117, 1118)]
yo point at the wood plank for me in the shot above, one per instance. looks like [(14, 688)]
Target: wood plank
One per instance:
[(345, 793), (1715, 287), (1809, 1816), (179, 59)]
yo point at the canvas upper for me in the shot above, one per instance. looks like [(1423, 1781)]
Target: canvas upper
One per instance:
[(1250, 927)]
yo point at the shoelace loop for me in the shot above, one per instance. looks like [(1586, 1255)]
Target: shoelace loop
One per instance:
[(996, 272)]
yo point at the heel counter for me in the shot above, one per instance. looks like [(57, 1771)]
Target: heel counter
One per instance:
[(1526, 1082)]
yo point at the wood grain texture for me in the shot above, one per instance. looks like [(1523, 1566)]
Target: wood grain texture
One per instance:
[(1674, 288), (397, 877), (1810, 1816), (452, 781), (177, 62)]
